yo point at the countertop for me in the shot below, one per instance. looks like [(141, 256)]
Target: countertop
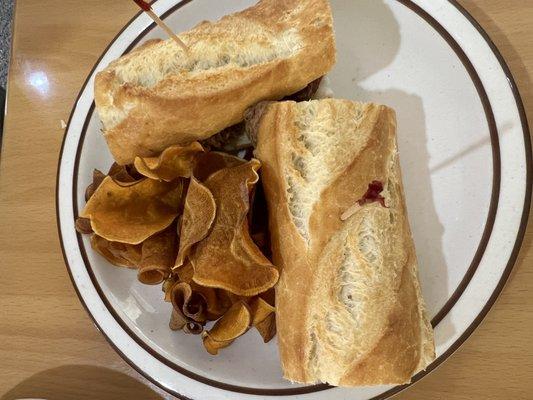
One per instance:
[(49, 347)]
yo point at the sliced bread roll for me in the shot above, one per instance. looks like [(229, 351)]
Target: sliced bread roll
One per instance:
[(158, 95), (349, 306)]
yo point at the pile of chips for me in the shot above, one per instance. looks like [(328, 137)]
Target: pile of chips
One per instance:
[(184, 220)]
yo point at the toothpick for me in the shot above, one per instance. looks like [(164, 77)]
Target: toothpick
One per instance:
[(350, 211), (148, 10)]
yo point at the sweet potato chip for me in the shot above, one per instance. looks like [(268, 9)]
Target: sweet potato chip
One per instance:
[(234, 323), (269, 296), (119, 254), (173, 163), (98, 178), (213, 161), (260, 310), (83, 226), (193, 328), (188, 313), (263, 318), (267, 328), (134, 213), (168, 284), (158, 253), (177, 320), (218, 301), (124, 175), (198, 216), (191, 304), (228, 258), (185, 272)]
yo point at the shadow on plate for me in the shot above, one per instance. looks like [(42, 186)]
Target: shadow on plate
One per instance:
[(80, 382)]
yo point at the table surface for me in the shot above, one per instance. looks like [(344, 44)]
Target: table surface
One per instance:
[(49, 347)]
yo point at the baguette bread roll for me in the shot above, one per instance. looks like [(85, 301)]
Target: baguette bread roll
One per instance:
[(349, 311), (157, 95)]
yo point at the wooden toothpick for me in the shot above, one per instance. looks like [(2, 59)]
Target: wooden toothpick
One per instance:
[(351, 211), (148, 10)]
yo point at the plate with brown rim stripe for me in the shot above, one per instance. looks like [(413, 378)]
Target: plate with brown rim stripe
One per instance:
[(466, 163)]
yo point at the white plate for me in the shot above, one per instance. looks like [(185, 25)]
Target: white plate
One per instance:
[(466, 161)]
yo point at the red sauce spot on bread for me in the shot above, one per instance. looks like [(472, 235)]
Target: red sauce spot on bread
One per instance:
[(373, 194)]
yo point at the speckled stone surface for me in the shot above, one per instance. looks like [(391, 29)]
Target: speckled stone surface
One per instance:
[(6, 16)]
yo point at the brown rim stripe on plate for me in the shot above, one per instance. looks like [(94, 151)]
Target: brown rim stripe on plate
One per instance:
[(455, 296)]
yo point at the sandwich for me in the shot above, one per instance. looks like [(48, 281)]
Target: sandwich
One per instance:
[(161, 95), (349, 310)]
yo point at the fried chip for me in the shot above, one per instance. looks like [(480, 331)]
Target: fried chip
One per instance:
[(218, 300), (158, 253), (269, 296), (234, 323), (98, 178), (119, 254), (263, 318), (177, 320), (267, 328), (83, 226), (213, 161), (174, 162), (124, 175), (134, 213), (191, 304), (185, 272), (198, 216), (167, 286), (260, 310), (228, 258), (193, 328), (188, 309)]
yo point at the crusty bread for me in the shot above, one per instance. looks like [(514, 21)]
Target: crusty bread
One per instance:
[(158, 95), (348, 302)]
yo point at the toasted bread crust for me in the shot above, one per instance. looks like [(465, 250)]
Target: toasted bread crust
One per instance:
[(158, 96), (348, 303)]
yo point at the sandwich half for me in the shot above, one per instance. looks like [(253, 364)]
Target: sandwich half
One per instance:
[(158, 95), (349, 310)]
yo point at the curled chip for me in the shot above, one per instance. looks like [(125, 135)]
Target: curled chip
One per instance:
[(234, 323), (185, 272), (119, 254), (134, 213), (157, 257), (189, 303), (260, 310), (269, 296), (98, 178), (267, 328), (218, 300), (173, 163), (211, 162), (198, 216), (83, 226), (263, 318), (193, 328), (228, 258), (177, 320), (167, 286), (124, 175)]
